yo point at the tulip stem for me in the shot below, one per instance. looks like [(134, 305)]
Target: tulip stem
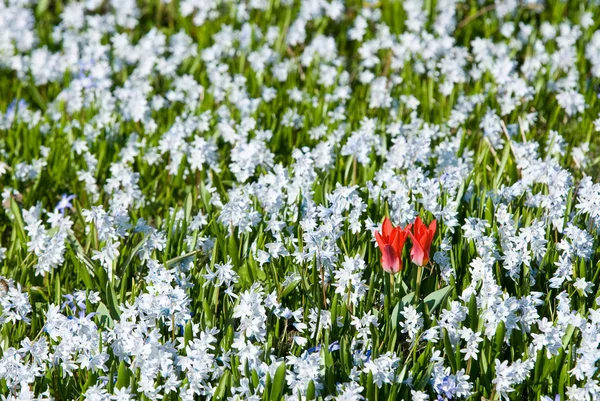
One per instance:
[(387, 297), (418, 286)]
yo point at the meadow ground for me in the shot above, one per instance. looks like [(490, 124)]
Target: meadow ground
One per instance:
[(196, 194)]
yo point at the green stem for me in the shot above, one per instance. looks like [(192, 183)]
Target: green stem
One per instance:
[(387, 297), (418, 283)]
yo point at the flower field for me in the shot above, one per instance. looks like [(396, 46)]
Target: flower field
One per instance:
[(300, 200)]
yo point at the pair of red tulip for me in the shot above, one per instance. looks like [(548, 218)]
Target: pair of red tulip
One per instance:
[(391, 242)]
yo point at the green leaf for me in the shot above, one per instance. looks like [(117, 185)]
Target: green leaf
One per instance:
[(19, 225), (103, 315), (539, 366), (41, 8), (82, 257), (232, 250), (254, 376), (189, 202), (449, 351), (568, 335), (473, 315), (370, 387), (123, 376), (278, 383), (290, 287), (36, 95), (499, 338), (407, 299), (564, 377), (133, 253), (111, 300), (223, 386), (500, 173), (268, 384), (395, 315), (188, 333), (310, 391), (83, 272), (435, 299), (180, 258)]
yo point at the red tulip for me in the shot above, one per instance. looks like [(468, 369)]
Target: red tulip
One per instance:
[(421, 237), (391, 241)]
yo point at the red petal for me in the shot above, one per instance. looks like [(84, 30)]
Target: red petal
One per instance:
[(418, 225), (417, 254), (425, 245), (386, 227), (432, 228), (399, 237), (393, 236), (424, 241), (389, 260), (380, 240)]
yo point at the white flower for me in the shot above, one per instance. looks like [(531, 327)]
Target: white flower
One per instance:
[(413, 321), (383, 368), (418, 395)]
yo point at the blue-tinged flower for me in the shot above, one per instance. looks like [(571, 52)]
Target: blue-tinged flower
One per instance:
[(446, 388), (64, 203), (334, 346), (15, 107)]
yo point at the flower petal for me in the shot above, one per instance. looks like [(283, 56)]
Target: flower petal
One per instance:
[(386, 228), (432, 228), (418, 226), (389, 260), (397, 240), (417, 253), (380, 240)]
